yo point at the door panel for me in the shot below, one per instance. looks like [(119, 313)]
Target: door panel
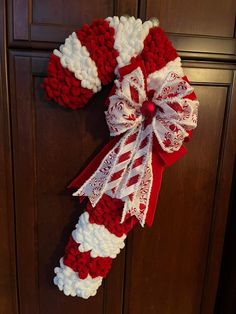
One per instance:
[(184, 16), (8, 277), (52, 21), (37, 23), (202, 29)]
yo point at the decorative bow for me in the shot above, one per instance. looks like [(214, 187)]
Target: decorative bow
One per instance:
[(140, 109)]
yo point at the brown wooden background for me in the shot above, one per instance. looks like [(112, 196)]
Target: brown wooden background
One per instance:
[(172, 268)]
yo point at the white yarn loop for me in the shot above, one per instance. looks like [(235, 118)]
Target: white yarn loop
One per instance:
[(96, 238), (130, 34), (69, 282), (76, 58)]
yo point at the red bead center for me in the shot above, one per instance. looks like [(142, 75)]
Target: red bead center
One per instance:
[(148, 109)]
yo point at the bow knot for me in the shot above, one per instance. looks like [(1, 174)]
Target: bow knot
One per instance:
[(148, 109)]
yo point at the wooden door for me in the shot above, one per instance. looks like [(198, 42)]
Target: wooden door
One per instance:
[(8, 282), (50, 146), (172, 268)]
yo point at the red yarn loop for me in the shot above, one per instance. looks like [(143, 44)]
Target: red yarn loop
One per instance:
[(62, 86), (83, 263)]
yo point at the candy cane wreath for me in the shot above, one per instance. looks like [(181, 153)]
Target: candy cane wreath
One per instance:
[(150, 112)]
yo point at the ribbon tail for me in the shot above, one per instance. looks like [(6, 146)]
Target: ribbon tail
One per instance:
[(160, 160), (157, 169), (139, 205), (136, 193), (93, 165), (102, 179)]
